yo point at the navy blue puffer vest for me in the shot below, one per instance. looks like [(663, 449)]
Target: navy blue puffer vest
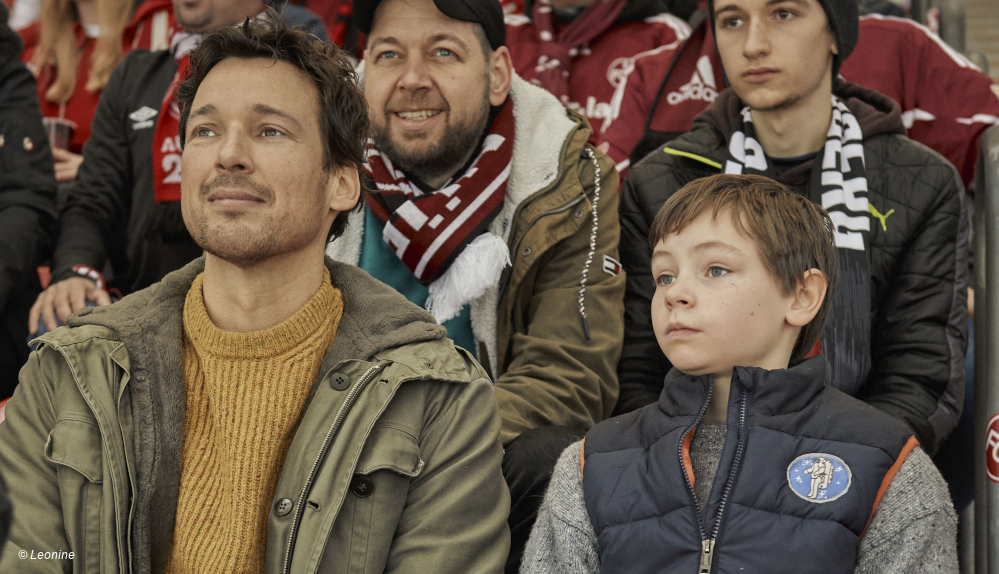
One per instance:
[(799, 477)]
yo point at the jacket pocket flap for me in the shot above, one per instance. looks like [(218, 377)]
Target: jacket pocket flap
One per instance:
[(76, 444), (390, 449)]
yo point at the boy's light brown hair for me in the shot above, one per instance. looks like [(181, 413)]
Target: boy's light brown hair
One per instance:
[(791, 233)]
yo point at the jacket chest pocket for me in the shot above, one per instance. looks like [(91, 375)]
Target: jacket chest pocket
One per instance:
[(75, 447), (376, 496)]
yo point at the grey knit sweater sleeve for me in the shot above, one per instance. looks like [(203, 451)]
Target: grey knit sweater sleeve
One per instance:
[(914, 528), (563, 541), (913, 531)]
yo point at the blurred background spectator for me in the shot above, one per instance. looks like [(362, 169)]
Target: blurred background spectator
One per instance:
[(72, 49), (580, 50), (27, 203)]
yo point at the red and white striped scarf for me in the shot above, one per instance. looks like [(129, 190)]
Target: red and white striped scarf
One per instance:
[(428, 231)]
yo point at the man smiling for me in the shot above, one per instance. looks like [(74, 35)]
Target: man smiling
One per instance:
[(490, 209), (897, 334), (259, 410)]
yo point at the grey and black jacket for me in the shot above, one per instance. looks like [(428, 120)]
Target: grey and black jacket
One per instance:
[(110, 213), (918, 261)]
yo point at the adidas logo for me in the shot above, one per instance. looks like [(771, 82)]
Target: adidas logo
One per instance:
[(701, 86), (143, 117)]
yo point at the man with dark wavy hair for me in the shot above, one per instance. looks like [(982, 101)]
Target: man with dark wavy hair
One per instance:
[(262, 409)]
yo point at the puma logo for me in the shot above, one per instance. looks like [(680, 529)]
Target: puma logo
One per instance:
[(882, 218)]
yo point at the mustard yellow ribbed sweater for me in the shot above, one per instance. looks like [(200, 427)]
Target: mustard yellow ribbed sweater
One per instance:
[(244, 396)]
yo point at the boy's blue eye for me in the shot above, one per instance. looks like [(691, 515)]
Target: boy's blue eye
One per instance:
[(717, 271), (665, 280)]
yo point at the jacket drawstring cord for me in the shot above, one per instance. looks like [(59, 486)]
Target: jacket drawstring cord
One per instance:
[(593, 240)]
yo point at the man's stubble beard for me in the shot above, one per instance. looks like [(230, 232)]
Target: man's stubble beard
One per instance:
[(443, 158), (243, 247)]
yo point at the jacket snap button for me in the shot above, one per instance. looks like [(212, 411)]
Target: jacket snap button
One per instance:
[(283, 506), (340, 382), (527, 251), (579, 213), (362, 486)]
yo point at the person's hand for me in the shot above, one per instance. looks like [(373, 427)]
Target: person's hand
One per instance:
[(63, 299), (66, 164)]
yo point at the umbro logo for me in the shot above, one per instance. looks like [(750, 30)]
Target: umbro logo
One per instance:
[(701, 86), (143, 117)]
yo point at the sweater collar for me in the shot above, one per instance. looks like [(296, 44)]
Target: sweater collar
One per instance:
[(375, 316)]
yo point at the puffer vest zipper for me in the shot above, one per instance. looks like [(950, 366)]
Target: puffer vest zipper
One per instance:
[(639, 486)]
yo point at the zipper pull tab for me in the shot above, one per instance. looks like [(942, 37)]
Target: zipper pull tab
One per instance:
[(707, 553)]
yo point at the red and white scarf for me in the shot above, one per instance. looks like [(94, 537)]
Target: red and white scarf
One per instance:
[(555, 60), (442, 236), (166, 138), (166, 141)]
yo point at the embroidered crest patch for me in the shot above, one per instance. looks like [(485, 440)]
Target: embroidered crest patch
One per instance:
[(818, 477)]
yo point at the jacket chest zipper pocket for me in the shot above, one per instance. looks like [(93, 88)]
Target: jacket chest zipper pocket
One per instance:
[(75, 447)]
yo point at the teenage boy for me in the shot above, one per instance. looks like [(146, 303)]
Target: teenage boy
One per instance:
[(749, 462), (898, 333)]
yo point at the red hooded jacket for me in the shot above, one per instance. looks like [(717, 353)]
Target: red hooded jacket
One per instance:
[(598, 68)]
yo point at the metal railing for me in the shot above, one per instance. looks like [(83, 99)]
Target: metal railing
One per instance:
[(918, 8), (986, 282), (952, 23)]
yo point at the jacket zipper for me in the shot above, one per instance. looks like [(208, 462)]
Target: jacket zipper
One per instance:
[(327, 443), (686, 477), (708, 545)]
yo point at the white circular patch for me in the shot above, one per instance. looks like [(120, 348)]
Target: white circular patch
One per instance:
[(819, 478)]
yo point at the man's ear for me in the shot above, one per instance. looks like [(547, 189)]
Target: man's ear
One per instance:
[(343, 189), (500, 75), (808, 297)]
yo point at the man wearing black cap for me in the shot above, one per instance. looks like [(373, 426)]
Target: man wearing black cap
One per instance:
[(897, 334), (491, 210)]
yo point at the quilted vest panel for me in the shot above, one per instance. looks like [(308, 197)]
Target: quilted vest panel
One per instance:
[(643, 509)]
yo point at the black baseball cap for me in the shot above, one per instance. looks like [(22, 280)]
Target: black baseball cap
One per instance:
[(487, 13)]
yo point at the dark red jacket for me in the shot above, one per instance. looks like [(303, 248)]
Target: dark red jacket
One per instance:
[(947, 103), (599, 67)]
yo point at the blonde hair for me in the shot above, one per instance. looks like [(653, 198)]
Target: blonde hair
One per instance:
[(57, 44)]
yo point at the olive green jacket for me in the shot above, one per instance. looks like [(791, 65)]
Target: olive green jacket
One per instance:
[(395, 465), (549, 369)]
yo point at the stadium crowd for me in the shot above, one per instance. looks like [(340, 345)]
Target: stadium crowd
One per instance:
[(476, 286)]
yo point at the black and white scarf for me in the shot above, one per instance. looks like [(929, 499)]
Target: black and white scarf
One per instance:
[(839, 184)]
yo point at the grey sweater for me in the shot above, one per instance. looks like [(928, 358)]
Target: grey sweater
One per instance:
[(913, 531)]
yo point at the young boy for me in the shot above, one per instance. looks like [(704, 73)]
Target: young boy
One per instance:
[(748, 463)]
